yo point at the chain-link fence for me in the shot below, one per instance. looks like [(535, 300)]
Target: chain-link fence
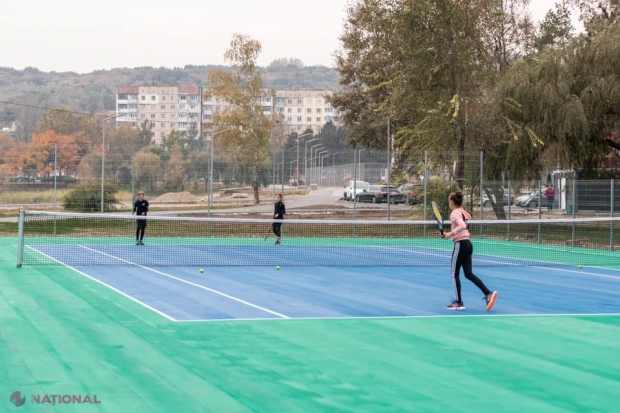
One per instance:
[(313, 178)]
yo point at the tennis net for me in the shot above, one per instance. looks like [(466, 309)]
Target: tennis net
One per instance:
[(56, 238)]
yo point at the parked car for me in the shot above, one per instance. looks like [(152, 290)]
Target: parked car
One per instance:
[(532, 200), (359, 188), (412, 193), (487, 202), (379, 193)]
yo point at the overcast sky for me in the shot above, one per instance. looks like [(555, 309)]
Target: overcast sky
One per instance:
[(87, 35)]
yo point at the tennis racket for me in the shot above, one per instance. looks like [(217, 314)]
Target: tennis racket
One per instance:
[(438, 217)]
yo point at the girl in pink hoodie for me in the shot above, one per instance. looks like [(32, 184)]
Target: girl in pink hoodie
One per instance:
[(461, 256)]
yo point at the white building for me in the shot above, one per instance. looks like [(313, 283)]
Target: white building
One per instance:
[(178, 108)]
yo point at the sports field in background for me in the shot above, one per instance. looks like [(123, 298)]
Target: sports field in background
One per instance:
[(145, 338)]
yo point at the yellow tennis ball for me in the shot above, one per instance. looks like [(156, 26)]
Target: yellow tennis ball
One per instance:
[(277, 267), (202, 199), (201, 270), (580, 266)]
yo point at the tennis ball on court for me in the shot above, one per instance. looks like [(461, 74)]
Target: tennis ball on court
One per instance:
[(277, 267), (580, 266), (202, 199), (201, 270)]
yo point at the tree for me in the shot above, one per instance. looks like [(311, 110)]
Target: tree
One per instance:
[(556, 28), (61, 121), (571, 98), (145, 134), (243, 90), (147, 165)]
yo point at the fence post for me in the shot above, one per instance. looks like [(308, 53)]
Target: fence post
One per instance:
[(539, 210), (133, 182), (354, 186), (508, 229), (611, 213), (55, 180), (481, 192), (425, 187), (574, 209), (389, 154)]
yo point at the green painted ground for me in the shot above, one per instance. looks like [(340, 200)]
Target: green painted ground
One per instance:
[(61, 333)]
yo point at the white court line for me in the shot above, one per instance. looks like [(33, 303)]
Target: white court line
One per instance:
[(408, 317), (107, 285), (615, 277), (190, 283)]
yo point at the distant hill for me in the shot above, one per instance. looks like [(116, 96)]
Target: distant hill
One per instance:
[(96, 91)]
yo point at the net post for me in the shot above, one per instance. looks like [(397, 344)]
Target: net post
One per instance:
[(508, 224), (539, 210), (20, 238), (611, 213)]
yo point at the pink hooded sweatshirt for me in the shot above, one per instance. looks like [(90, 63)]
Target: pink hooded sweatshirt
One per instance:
[(458, 218)]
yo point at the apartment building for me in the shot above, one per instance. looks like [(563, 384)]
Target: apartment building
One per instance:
[(183, 108)]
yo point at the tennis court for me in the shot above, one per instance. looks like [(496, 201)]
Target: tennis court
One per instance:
[(353, 321)]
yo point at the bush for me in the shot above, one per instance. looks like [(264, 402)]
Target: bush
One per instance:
[(87, 198), (438, 190)]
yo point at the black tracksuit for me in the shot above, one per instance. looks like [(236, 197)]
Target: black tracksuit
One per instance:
[(140, 207), (278, 213)]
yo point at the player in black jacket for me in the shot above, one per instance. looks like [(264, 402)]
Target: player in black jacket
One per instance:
[(278, 213), (140, 207)]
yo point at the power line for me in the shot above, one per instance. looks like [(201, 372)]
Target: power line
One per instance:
[(53, 109)]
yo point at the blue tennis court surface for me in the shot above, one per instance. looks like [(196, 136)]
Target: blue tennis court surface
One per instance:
[(182, 293)]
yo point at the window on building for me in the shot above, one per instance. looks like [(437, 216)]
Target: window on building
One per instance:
[(309, 110), (152, 107), (289, 101), (172, 124), (163, 98), (163, 124), (142, 97), (298, 110), (308, 119), (298, 118), (163, 107), (289, 119), (152, 116), (181, 106), (163, 116), (318, 110), (152, 97), (172, 106), (289, 110), (318, 119), (299, 101)]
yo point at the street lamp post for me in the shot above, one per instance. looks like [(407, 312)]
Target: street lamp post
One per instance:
[(298, 138), (103, 161), (317, 146), (306, 158), (316, 165), (210, 194), (321, 168)]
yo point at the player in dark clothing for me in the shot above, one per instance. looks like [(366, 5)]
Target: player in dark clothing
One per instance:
[(278, 213), (140, 207)]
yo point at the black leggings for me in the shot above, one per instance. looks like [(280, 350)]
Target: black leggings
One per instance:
[(461, 257), (140, 229), (276, 229)]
